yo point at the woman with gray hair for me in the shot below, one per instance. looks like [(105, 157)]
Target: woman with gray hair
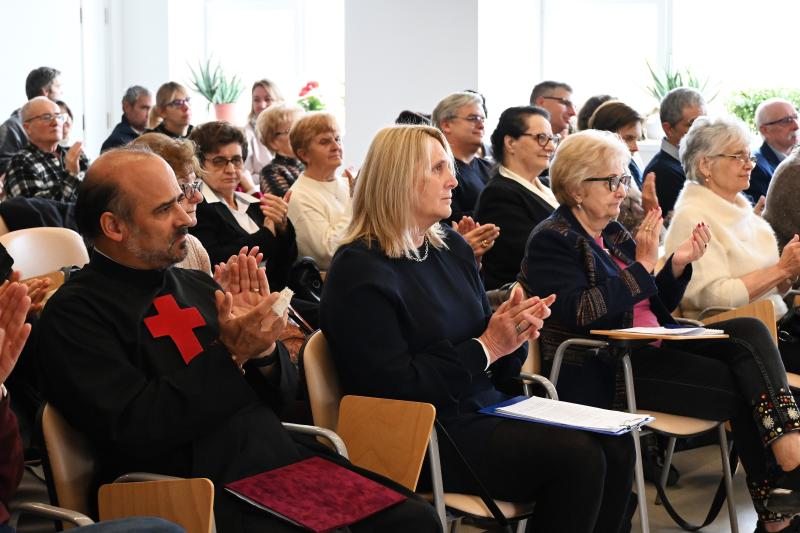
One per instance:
[(742, 264), (604, 280)]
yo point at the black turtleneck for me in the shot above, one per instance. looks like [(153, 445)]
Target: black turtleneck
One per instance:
[(141, 405)]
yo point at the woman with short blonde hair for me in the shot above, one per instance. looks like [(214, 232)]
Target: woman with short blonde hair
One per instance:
[(571, 167), (320, 205)]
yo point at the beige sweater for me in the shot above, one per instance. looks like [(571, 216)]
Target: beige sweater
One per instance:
[(742, 242), (320, 212)]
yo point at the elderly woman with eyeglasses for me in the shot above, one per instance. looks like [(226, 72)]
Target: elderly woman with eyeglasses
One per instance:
[(604, 280), (514, 199), (228, 220), (742, 264)]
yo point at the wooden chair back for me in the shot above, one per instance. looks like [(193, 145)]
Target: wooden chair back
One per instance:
[(37, 251), (71, 462), (186, 502), (324, 391), (389, 437), (763, 310)]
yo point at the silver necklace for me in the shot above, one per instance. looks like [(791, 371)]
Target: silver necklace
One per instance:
[(424, 254)]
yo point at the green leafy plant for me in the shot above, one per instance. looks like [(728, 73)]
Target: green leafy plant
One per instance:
[(743, 104), (672, 79), (215, 87)]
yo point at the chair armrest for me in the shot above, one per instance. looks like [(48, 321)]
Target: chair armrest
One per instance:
[(562, 348), (688, 321), (543, 381), (47, 511), (134, 477), (317, 431), (713, 310)]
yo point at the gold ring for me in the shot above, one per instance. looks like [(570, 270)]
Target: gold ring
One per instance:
[(518, 328), (485, 243)]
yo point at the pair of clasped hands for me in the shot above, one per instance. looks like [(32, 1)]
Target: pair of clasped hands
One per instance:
[(248, 326), (517, 320)]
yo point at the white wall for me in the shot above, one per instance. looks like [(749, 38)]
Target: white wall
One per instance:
[(404, 55), (41, 33)]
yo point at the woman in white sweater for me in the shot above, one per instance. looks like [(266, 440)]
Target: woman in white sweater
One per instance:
[(320, 200), (742, 263)]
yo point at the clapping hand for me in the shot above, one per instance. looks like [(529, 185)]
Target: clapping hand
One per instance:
[(758, 209), (649, 196), (14, 305), (515, 321), (480, 237), (275, 210), (222, 270), (647, 239), (691, 249), (72, 159)]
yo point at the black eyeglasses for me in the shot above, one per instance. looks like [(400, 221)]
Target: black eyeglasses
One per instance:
[(742, 158), (190, 189), (48, 117), (222, 162), (785, 121), (614, 181), (562, 101), (543, 138)]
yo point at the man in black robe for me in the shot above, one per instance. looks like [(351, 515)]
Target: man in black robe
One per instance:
[(140, 356)]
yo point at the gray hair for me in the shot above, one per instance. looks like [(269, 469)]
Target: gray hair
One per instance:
[(24, 112), (133, 93), (707, 137), (447, 108), (761, 110), (676, 101), (546, 87)]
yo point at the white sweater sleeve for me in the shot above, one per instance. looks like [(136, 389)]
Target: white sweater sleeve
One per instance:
[(712, 283), (318, 228)]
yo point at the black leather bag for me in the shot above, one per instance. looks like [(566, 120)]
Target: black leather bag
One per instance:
[(305, 280)]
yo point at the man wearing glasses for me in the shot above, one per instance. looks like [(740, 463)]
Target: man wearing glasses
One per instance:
[(461, 118), (42, 81), (776, 119), (556, 97), (44, 169), (175, 109)]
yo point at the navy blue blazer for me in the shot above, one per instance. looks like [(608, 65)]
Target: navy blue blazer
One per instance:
[(669, 179), (592, 292), (121, 135), (762, 172)]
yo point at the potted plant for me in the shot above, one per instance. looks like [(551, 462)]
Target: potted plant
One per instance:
[(214, 86), (310, 99)]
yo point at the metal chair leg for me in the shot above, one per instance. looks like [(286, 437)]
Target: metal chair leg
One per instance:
[(521, 525), (726, 470), (665, 467), (630, 392)]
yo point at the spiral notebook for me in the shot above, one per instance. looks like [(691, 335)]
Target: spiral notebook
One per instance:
[(569, 415), (315, 494)]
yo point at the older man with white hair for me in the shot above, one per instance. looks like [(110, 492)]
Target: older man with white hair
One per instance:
[(776, 119)]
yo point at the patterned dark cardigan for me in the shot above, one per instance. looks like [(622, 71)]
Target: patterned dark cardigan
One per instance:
[(592, 291)]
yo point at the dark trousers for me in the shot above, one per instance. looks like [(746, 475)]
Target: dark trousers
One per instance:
[(741, 379), (580, 481)]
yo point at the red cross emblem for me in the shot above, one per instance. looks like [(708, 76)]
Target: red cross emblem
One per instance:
[(178, 324)]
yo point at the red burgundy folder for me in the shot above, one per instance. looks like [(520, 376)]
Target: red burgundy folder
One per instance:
[(315, 494)]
